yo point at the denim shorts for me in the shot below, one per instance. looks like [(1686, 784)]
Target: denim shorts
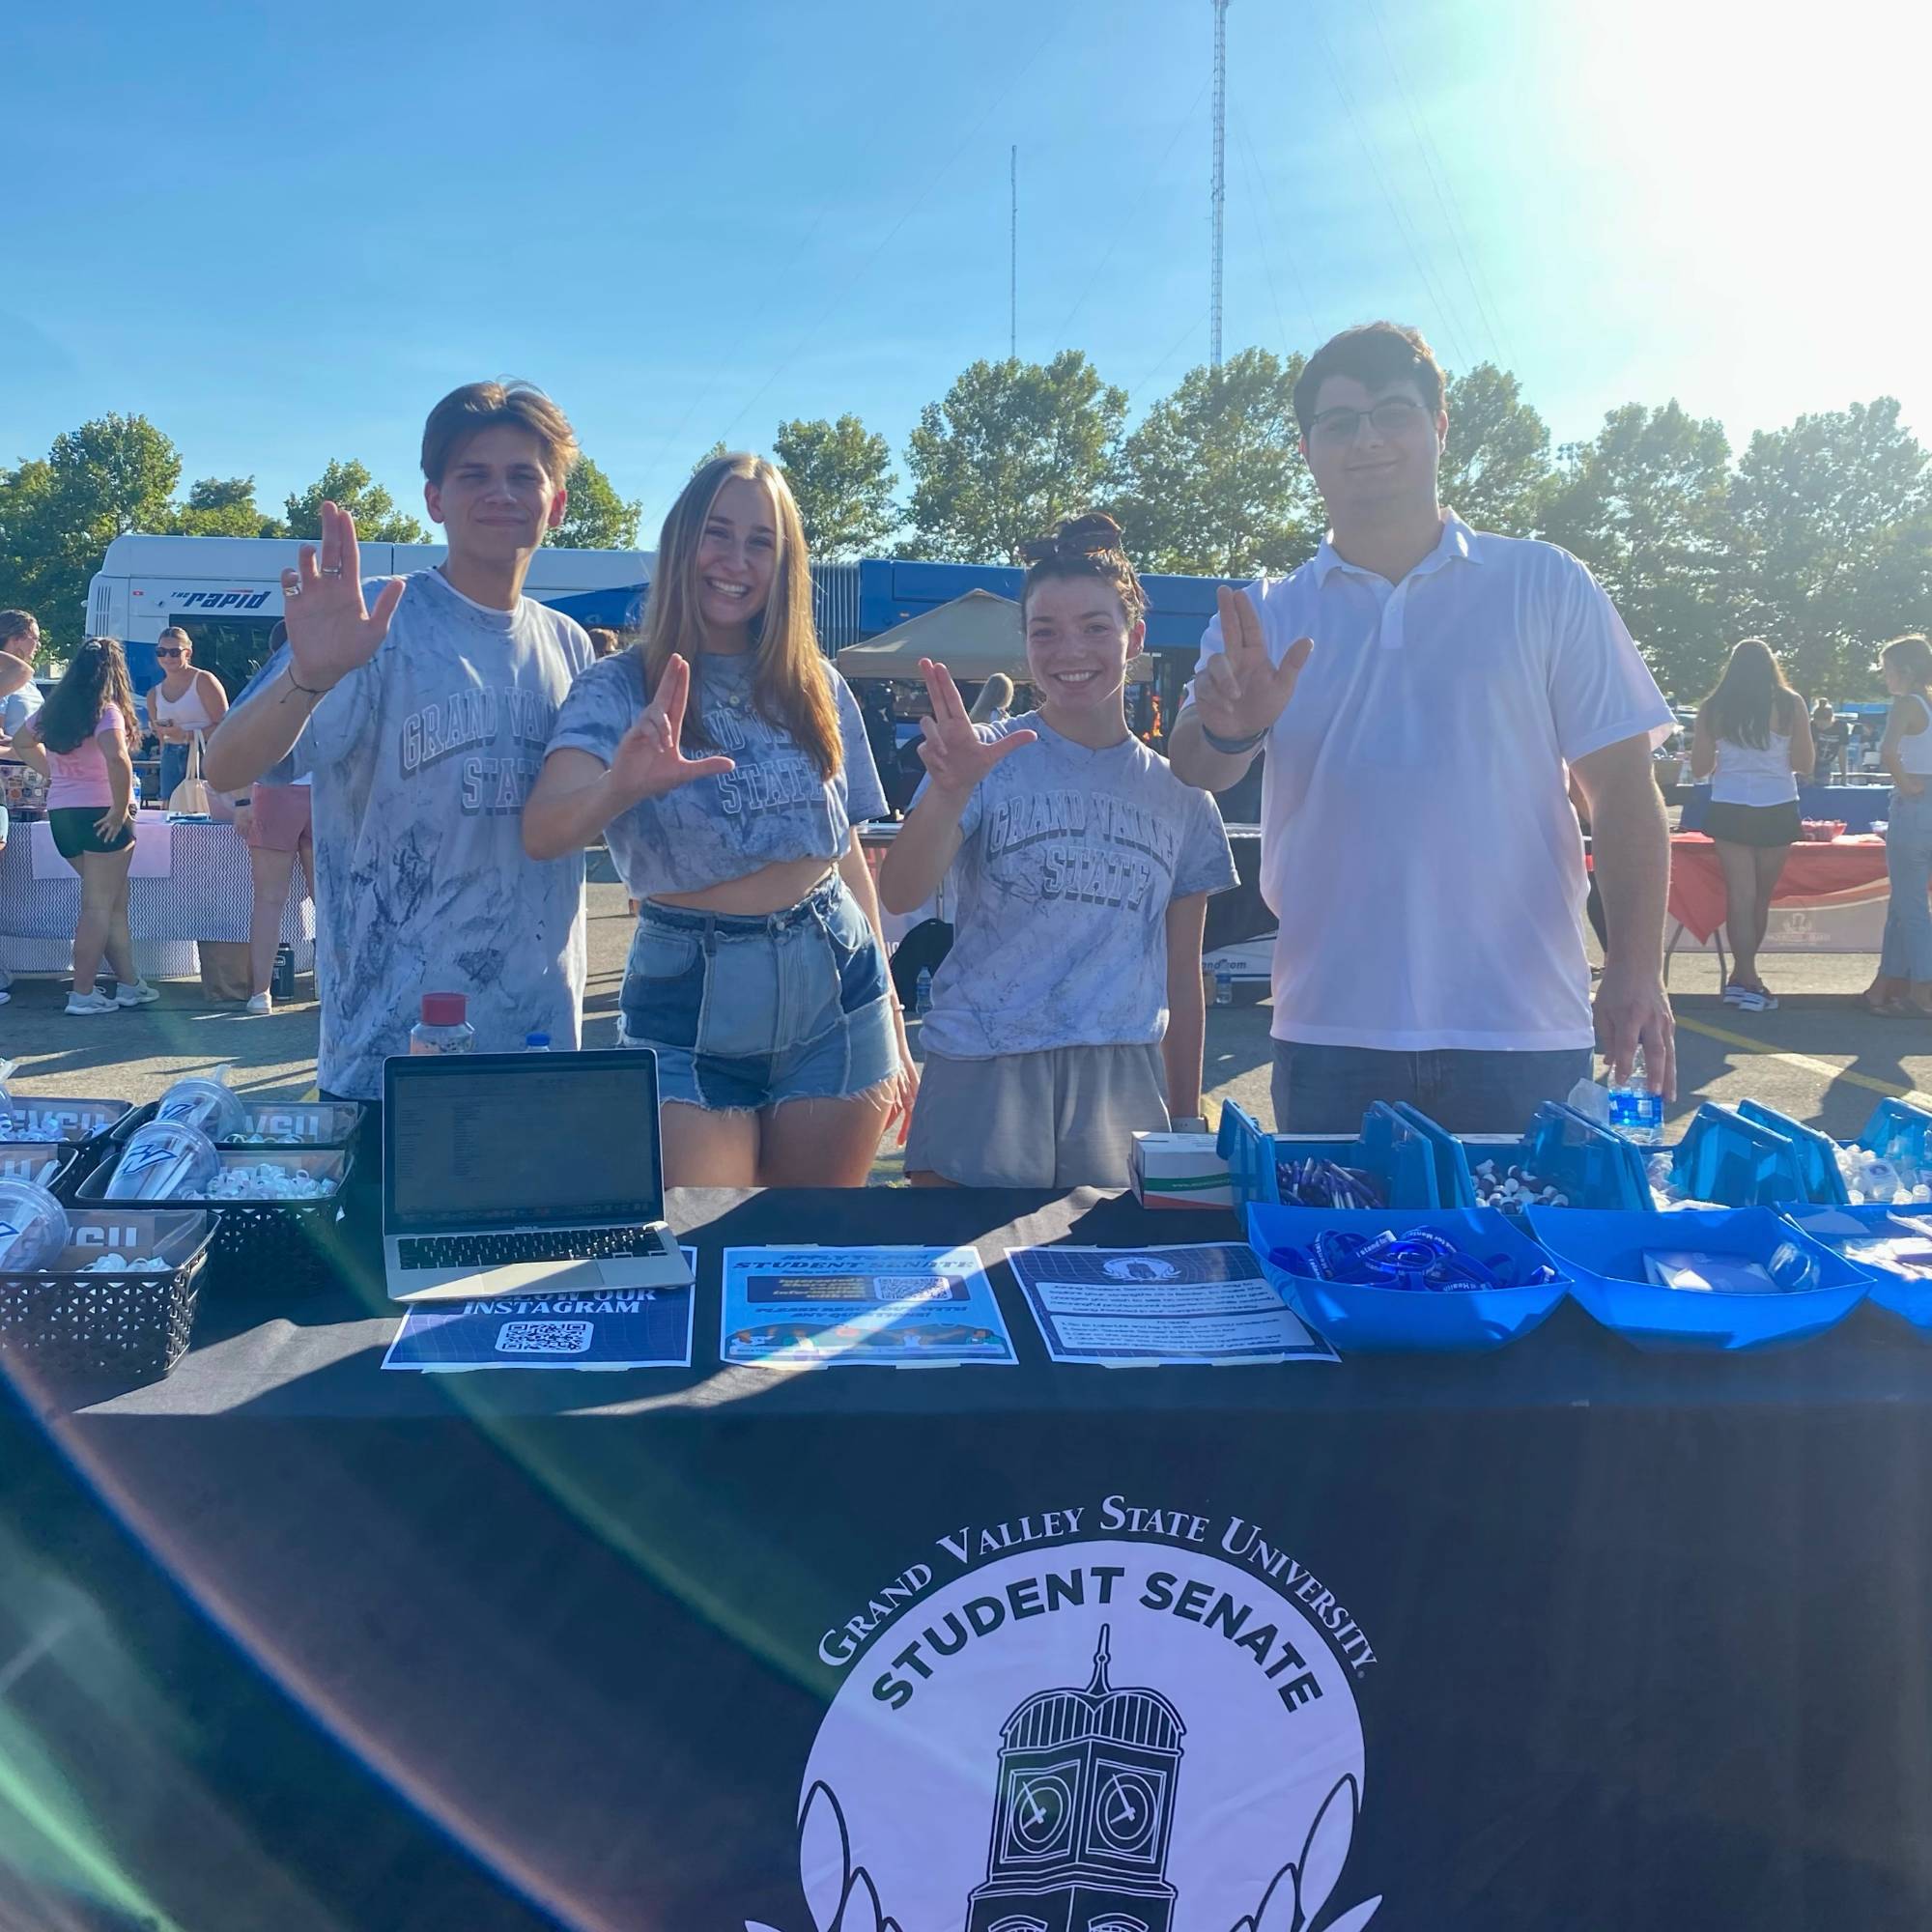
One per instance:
[(745, 1011)]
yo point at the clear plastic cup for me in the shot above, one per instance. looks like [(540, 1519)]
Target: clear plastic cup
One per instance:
[(33, 1228), (166, 1161), (212, 1106)]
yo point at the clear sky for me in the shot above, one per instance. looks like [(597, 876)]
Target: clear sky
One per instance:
[(282, 233)]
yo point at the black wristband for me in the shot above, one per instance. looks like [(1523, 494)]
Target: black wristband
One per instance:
[(1230, 748)]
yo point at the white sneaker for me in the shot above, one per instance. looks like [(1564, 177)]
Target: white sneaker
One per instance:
[(91, 1003), (261, 1003), (139, 994)]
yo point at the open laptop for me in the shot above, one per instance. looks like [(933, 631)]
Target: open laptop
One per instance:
[(524, 1173)]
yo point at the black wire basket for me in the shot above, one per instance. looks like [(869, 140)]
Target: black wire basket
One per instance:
[(128, 1326), (93, 1128), (266, 1248)]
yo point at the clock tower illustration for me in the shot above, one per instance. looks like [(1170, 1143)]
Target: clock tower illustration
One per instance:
[(1083, 1812)]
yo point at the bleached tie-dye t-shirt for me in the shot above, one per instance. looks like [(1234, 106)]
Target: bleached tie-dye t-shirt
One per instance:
[(1058, 897), (419, 763)]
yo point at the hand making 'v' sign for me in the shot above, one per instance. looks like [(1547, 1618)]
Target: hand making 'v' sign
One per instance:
[(649, 760), (952, 752), (1240, 691), (332, 631)]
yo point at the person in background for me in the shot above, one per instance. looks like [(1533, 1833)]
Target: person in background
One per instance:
[(276, 824), (757, 974), (1753, 743), (1070, 1014), (994, 703), (19, 699), (604, 643), (1422, 690), (78, 742), (1830, 737), (187, 700), (1904, 982), (419, 715)]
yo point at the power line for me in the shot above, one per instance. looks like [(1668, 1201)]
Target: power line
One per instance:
[(1014, 257), (1486, 311), (1406, 233), (1267, 268)]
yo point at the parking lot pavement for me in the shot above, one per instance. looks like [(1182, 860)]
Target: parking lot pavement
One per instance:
[(1820, 1058)]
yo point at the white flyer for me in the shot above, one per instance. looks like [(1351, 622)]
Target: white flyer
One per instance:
[(1206, 1303)]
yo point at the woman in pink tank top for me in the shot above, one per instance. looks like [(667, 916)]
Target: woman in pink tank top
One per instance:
[(78, 741)]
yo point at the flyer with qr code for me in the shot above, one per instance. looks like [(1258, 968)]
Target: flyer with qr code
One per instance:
[(614, 1328), (893, 1308), (1203, 1303)]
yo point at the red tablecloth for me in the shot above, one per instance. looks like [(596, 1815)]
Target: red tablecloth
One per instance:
[(1844, 873)]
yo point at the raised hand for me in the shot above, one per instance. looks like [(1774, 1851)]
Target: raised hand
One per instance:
[(1242, 691), (332, 631), (954, 753), (649, 760)]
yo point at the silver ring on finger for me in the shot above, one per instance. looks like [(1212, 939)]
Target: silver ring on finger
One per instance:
[(331, 570)]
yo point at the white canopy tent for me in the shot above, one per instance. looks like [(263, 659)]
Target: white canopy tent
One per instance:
[(973, 636)]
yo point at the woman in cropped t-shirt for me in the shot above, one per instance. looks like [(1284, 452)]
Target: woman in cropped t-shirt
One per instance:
[(727, 763)]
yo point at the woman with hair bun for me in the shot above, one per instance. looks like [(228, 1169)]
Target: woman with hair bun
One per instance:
[(1068, 1014)]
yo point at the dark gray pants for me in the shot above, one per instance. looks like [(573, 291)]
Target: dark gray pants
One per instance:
[(1326, 1090)]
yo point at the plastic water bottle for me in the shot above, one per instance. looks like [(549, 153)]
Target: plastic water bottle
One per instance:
[(444, 1026), (537, 1042), (922, 991), (1635, 1112), (1224, 987)]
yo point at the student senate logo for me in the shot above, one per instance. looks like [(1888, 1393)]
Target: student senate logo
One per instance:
[(1102, 1717)]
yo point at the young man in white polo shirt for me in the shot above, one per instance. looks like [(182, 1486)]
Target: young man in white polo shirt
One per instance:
[(1422, 691)]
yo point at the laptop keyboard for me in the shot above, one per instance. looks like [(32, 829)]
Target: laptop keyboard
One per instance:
[(549, 1244)]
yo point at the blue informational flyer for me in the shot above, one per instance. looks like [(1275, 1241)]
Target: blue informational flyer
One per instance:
[(895, 1308), (1207, 1302), (630, 1328)]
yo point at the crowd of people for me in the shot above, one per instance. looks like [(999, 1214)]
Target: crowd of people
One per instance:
[(438, 750)]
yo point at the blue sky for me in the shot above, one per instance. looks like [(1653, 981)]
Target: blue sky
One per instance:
[(283, 233)]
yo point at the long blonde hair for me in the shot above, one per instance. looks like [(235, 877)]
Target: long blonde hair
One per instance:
[(789, 687)]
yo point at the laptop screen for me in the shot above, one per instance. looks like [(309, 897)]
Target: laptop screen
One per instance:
[(522, 1140)]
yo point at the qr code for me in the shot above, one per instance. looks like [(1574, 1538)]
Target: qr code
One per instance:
[(544, 1338), (910, 1288)]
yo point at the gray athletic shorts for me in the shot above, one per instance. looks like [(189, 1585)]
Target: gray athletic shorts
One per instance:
[(1064, 1117)]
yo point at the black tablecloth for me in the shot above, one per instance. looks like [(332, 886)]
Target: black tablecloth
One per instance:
[(1587, 1637)]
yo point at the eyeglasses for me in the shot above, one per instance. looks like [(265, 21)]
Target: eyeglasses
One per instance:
[(1391, 415)]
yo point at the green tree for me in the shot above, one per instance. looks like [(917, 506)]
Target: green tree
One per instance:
[(1012, 446), (595, 517), (842, 474), (1646, 507), (1211, 480), (1834, 518), (218, 506), (351, 485), (1496, 471), (100, 482)]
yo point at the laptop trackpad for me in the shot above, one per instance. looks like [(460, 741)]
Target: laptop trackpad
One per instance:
[(558, 1277)]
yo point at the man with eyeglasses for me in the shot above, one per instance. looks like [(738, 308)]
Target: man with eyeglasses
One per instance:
[(1423, 691)]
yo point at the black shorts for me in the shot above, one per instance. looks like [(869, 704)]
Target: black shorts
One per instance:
[(1754, 824), (74, 834)]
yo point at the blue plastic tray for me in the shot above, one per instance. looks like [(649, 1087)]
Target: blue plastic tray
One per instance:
[(1735, 1161), (1387, 1147), (1364, 1321), (1604, 1254), (1816, 1154), (1909, 1297), (1589, 1163)]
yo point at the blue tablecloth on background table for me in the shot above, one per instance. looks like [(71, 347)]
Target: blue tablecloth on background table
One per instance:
[(1860, 806)]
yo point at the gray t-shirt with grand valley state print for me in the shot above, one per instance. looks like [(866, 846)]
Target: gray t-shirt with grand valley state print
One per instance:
[(419, 763), (775, 807), (1058, 897)]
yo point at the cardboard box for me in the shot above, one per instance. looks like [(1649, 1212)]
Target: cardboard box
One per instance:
[(1179, 1171)]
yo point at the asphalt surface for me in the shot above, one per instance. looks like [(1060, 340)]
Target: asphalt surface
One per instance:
[(1821, 1058)]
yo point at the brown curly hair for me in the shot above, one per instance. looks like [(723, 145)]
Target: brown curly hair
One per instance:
[(1086, 546)]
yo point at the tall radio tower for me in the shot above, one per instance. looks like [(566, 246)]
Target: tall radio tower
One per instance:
[(1220, 188)]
